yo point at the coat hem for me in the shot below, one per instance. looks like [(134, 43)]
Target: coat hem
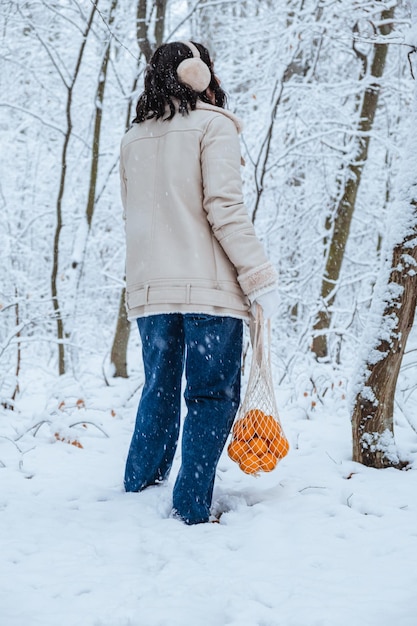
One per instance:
[(134, 317)]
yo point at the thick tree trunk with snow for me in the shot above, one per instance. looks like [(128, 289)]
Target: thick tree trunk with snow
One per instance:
[(372, 419), (391, 316)]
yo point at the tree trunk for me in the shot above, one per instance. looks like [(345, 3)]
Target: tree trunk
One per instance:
[(372, 419), (81, 238), (390, 320), (160, 21), (118, 355), (346, 205), (62, 182), (99, 98), (142, 29)]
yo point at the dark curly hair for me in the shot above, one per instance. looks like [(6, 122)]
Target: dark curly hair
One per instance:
[(162, 86)]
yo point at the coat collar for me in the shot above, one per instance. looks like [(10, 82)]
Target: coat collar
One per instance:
[(211, 107)]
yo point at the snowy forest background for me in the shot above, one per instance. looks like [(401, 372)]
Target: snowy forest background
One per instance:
[(325, 91)]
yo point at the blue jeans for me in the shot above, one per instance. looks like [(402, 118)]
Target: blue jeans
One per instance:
[(210, 347)]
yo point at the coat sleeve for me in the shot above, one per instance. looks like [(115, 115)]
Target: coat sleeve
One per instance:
[(226, 211)]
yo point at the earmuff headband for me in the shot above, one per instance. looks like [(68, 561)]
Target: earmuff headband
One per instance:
[(193, 48), (194, 72)]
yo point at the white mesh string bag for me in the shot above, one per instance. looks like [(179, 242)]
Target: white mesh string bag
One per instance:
[(258, 440)]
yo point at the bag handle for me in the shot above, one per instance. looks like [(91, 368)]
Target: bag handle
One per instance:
[(257, 337)]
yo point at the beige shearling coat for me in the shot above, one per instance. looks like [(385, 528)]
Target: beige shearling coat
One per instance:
[(190, 245)]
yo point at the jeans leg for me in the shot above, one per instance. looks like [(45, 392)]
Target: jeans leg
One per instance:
[(155, 437), (213, 359)]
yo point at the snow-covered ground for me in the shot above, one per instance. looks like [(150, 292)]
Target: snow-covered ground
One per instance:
[(320, 541)]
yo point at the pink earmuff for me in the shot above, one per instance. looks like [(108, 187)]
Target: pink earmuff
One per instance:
[(194, 72)]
